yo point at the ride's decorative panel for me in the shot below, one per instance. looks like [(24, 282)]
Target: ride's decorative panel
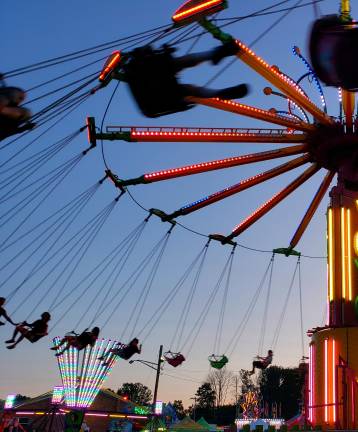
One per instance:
[(342, 226), (193, 10), (333, 375)]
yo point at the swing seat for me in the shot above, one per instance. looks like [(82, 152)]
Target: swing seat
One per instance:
[(218, 361), (151, 77), (333, 51), (174, 359), (9, 127)]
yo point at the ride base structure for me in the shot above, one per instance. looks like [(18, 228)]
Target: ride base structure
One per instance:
[(333, 354)]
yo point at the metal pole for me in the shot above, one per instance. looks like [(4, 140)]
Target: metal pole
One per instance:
[(194, 408), (157, 376), (236, 399)]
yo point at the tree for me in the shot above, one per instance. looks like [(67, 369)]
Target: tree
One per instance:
[(136, 392), (179, 409), (20, 398), (282, 387), (220, 381), (247, 383), (205, 396)]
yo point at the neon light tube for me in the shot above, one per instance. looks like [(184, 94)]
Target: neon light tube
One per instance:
[(310, 385), (330, 255), (334, 407), (25, 412), (349, 244), (343, 252), (352, 404), (326, 377)]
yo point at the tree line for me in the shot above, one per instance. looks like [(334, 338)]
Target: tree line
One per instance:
[(218, 399)]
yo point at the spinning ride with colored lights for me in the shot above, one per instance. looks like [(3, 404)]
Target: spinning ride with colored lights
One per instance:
[(82, 373), (325, 143)]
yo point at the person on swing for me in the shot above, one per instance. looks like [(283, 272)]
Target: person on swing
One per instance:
[(81, 341), (262, 362), (152, 75), (32, 332), (123, 351), (14, 118), (3, 313)]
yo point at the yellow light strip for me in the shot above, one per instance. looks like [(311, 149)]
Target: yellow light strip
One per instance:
[(343, 252), (330, 255), (349, 243)]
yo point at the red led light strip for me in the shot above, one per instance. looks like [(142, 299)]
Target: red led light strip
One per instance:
[(110, 66), (180, 16), (249, 111), (272, 202), (244, 184), (222, 163), (149, 136)]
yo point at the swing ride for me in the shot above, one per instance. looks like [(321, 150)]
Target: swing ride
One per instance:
[(315, 140)]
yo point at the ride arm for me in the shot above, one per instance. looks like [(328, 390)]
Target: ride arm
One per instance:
[(172, 173), (273, 201), (312, 209), (272, 74), (241, 186)]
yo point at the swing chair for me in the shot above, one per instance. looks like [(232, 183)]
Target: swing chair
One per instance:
[(259, 361), (218, 362), (332, 45), (174, 359), (151, 76)]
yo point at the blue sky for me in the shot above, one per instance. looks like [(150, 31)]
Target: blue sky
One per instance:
[(44, 30)]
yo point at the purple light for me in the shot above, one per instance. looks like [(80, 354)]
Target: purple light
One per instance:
[(10, 400), (57, 395)]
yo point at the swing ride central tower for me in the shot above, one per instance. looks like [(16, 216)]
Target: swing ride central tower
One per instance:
[(333, 352)]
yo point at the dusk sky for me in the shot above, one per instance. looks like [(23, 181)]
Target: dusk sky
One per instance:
[(40, 30)]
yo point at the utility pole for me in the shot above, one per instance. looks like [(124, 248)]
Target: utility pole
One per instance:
[(194, 408), (157, 376), (236, 398)]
